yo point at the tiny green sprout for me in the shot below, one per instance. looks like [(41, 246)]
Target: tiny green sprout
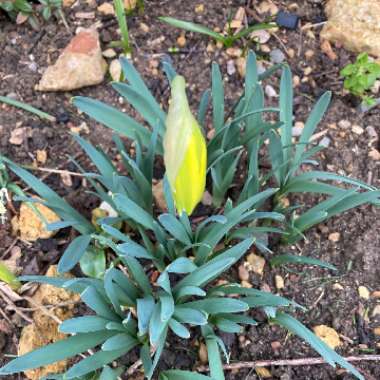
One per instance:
[(360, 77), (228, 39)]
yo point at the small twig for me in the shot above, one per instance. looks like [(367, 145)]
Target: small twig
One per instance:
[(9, 248), (310, 26), (55, 171), (289, 362)]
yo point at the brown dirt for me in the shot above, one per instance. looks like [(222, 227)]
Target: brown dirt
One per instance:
[(356, 254)]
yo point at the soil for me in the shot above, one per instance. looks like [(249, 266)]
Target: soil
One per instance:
[(25, 55)]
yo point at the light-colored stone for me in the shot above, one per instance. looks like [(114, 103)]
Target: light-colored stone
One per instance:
[(181, 41), (81, 64), (241, 66), (115, 70), (106, 9), (19, 135), (354, 24), (357, 129), (200, 8), (328, 335), (374, 154), (68, 3), (338, 286), (257, 263), (376, 311), (29, 224), (109, 53), (334, 237), (130, 5), (363, 292), (279, 281), (376, 331), (261, 36)]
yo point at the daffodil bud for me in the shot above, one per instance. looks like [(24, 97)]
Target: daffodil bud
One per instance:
[(185, 152)]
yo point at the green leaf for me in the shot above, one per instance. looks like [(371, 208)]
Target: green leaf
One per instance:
[(181, 265), (214, 359), (190, 291), (138, 274), (175, 228), (188, 315), (119, 342), (55, 352), (137, 83), (292, 259), (96, 302), (156, 325), (192, 27), (133, 211), (217, 97), (203, 105), (322, 348), (93, 262), (176, 374), (94, 362), (83, 324), (179, 329), (143, 106), (110, 374), (8, 277), (218, 305), (27, 107), (145, 307), (73, 253), (286, 111), (312, 122), (167, 306), (113, 118)]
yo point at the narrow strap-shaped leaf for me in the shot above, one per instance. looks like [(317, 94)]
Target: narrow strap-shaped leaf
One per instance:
[(176, 374), (190, 291), (321, 347), (189, 315), (96, 302), (144, 107), (156, 325), (179, 329), (286, 111), (133, 211), (119, 342), (84, 324), (251, 76), (218, 305), (74, 253), (57, 351), (138, 274), (203, 105), (113, 119), (312, 122), (214, 359), (134, 78), (145, 307), (217, 97), (293, 259), (175, 228), (94, 362), (181, 265), (167, 306)]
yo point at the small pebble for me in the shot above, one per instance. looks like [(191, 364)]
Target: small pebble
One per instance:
[(270, 91), (109, 53), (363, 292), (231, 68), (325, 142), (345, 124), (279, 281), (243, 273), (181, 41), (277, 56), (334, 237), (357, 129)]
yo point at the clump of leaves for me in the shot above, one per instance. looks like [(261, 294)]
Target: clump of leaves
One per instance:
[(24, 8), (360, 77), (228, 39), (161, 276)]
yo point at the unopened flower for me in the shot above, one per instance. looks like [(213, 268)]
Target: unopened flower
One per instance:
[(185, 152)]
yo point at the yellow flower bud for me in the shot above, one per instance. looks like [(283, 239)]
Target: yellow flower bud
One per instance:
[(185, 152)]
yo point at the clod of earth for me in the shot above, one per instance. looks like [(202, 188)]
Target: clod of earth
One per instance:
[(44, 330), (354, 24), (81, 64), (30, 225)]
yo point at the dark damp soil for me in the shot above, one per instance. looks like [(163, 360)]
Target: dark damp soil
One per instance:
[(26, 53)]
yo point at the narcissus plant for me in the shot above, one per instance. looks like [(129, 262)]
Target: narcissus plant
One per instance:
[(185, 151)]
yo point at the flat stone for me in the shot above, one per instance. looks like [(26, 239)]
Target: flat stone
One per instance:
[(256, 263), (81, 64), (363, 292), (354, 24)]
